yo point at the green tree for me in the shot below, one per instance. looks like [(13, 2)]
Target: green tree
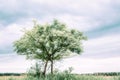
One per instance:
[(49, 42)]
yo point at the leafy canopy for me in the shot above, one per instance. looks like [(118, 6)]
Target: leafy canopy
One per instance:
[(49, 41)]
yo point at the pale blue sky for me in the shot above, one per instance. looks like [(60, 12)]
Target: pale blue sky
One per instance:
[(98, 19)]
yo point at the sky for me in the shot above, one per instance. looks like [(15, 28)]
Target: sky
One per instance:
[(99, 20)]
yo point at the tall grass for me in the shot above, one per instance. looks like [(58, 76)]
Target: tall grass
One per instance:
[(66, 75), (34, 74), (63, 76)]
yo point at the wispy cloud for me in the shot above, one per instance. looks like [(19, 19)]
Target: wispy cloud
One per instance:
[(91, 65), (97, 11), (79, 64), (16, 64), (102, 47), (11, 33)]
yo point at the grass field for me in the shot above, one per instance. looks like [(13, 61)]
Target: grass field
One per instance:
[(12, 77), (65, 75), (79, 77)]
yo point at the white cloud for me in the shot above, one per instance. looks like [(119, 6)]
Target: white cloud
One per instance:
[(82, 23), (96, 11), (104, 40), (84, 15), (87, 65), (80, 64), (12, 32), (17, 64), (9, 6), (108, 45)]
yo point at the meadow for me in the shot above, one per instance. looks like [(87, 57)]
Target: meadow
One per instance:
[(62, 76)]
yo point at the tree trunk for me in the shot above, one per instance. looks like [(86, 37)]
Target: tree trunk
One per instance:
[(45, 67), (51, 66)]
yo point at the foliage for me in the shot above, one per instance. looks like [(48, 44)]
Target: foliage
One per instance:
[(35, 71), (49, 43)]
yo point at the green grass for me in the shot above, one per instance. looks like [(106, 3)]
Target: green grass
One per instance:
[(63, 76)]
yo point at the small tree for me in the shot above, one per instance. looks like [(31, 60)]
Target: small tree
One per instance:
[(49, 42)]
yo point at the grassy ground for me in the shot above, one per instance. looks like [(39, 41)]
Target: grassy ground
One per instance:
[(12, 77), (99, 77), (79, 77)]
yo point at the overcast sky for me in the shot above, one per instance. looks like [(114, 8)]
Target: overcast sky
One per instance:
[(98, 19)]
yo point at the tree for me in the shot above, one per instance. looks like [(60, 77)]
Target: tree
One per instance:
[(49, 42)]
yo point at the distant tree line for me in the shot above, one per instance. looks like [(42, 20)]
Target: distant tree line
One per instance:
[(104, 74), (96, 74), (108, 74), (11, 74)]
